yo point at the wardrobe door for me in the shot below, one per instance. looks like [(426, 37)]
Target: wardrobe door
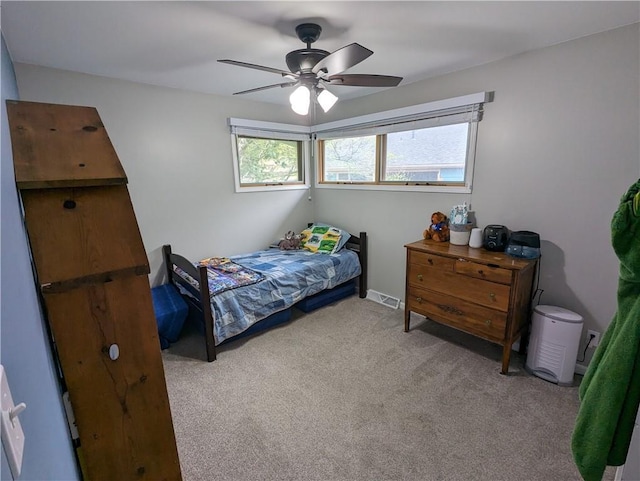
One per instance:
[(107, 344), (92, 269), (61, 146), (80, 235)]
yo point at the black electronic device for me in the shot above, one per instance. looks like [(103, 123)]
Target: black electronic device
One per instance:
[(495, 238), (524, 243)]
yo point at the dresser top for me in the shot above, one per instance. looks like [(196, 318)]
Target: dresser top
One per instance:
[(480, 255)]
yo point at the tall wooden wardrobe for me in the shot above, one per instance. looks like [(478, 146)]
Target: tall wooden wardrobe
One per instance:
[(92, 271)]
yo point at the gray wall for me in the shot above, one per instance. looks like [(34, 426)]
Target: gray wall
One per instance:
[(24, 346), (175, 148), (556, 150)]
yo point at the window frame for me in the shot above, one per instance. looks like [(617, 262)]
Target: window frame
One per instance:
[(386, 122), (403, 119), (271, 131), (381, 165)]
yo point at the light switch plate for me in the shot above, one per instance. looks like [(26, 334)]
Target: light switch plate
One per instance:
[(12, 434)]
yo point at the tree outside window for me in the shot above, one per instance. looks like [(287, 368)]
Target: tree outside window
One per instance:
[(269, 161)]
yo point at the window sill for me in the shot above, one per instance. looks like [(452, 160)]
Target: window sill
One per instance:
[(442, 189), (269, 188)]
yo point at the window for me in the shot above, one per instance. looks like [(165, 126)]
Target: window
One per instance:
[(349, 159), (436, 154), (269, 156), (269, 161), (428, 148)]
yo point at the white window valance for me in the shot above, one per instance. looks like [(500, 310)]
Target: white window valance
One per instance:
[(467, 108), (269, 130)]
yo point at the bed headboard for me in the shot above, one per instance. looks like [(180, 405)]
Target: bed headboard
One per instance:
[(358, 244)]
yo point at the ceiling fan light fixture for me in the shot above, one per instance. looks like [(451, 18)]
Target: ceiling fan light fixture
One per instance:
[(310, 66), (326, 100), (300, 100)]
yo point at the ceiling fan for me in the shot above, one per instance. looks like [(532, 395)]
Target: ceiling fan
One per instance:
[(312, 69)]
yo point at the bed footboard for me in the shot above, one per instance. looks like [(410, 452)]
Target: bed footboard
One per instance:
[(203, 302)]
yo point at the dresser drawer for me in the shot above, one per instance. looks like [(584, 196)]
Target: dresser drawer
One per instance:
[(419, 275), (423, 266), (485, 293), (481, 321), (483, 271), (430, 260)]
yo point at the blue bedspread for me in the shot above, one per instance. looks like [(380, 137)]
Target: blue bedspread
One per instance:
[(290, 276)]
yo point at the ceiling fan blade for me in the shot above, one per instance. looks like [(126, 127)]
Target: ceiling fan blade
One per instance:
[(342, 59), (258, 89), (363, 80), (284, 73)]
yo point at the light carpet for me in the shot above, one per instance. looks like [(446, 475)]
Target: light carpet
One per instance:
[(343, 393)]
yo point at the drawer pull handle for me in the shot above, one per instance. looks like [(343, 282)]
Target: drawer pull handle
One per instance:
[(420, 277), (419, 300), (430, 261), (480, 271), (488, 322), (492, 295), (450, 309)]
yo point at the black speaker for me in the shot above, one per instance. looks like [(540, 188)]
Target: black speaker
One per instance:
[(495, 238)]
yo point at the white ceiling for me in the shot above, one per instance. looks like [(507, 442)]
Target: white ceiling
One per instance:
[(176, 44)]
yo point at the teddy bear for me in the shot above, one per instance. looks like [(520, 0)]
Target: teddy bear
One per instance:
[(439, 228), (290, 242)]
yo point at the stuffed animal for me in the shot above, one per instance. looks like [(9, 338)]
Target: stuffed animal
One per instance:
[(290, 242), (439, 228)]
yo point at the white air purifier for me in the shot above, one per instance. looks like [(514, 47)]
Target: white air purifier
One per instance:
[(553, 344)]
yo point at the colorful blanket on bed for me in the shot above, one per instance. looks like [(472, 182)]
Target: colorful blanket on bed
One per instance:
[(224, 274)]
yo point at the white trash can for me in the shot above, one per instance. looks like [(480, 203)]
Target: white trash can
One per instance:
[(553, 344)]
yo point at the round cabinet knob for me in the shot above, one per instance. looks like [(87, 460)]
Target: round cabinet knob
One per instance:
[(430, 261), (492, 295), (481, 272), (114, 352), (419, 300), (488, 322), (420, 277)]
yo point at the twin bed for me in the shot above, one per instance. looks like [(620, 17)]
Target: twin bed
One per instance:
[(257, 290)]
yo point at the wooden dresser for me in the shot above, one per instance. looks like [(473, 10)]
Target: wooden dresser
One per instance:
[(486, 294)]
